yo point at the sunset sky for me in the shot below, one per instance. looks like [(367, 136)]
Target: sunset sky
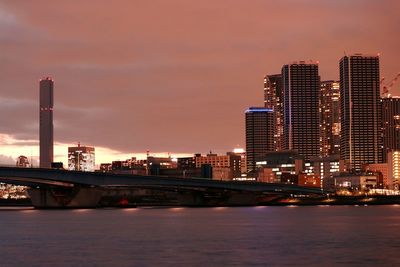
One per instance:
[(168, 76)]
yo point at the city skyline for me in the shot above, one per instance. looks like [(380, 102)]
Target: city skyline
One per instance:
[(191, 73)]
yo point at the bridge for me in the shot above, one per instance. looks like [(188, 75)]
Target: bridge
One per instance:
[(54, 188)]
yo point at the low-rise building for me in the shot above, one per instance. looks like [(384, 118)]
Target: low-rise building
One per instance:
[(356, 182), (309, 180), (23, 162), (81, 158)]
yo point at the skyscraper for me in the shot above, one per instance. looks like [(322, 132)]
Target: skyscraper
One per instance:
[(46, 122), (390, 124), (259, 135), (361, 141), (301, 108), (330, 118), (273, 99)]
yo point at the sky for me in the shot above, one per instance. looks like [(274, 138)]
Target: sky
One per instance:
[(168, 76)]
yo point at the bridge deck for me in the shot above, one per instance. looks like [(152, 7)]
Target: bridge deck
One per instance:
[(37, 177)]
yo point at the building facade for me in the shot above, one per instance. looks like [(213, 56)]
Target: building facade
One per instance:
[(356, 182), (259, 135), (361, 141), (330, 117), (301, 129), (273, 99), (81, 158), (393, 181), (276, 164), (224, 167), (46, 88), (390, 125)]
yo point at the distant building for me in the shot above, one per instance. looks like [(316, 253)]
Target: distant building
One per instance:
[(266, 175), (105, 167), (275, 164), (289, 178), (273, 99), (81, 158), (393, 159), (230, 161), (259, 136), (330, 118), (222, 174), (129, 166), (309, 180), (155, 164), (390, 124), (383, 169), (361, 141), (57, 165), (356, 182), (301, 85), (46, 122), (243, 159), (23, 162), (325, 168), (186, 163)]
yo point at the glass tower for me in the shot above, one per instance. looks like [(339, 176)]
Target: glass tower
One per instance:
[(301, 127), (361, 141)]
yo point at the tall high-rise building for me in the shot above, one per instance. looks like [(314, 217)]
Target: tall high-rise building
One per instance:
[(81, 158), (46, 122), (259, 135), (330, 118), (390, 124), (301, 108), (361, 141), (273, 99)]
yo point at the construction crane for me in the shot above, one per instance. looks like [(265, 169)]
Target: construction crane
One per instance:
[(386, 88)]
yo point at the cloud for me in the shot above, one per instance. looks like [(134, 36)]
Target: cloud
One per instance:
[(7, 160), (171, 75)]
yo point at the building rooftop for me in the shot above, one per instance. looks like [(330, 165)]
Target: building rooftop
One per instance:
[(258, 109)]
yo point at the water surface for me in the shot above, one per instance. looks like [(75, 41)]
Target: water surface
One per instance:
[(257, 236)]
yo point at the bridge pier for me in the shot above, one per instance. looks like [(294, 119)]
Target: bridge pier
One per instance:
[(76, 197)]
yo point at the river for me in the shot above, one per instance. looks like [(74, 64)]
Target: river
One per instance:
[(249, 236)]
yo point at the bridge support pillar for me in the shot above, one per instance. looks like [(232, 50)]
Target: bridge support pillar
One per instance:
[(76, 197)]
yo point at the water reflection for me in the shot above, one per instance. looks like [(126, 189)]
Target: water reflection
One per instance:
[(243, 236)]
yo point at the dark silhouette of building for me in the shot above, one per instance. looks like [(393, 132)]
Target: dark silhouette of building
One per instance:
[(57, 165), (273, 99), (301, 108), (361, 141), (46, 122), (259, 135), (23, 162), (330, 118), (187, 162), (390, 124)]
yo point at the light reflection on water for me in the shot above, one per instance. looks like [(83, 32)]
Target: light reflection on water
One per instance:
[(260, 236), (82, 210)]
